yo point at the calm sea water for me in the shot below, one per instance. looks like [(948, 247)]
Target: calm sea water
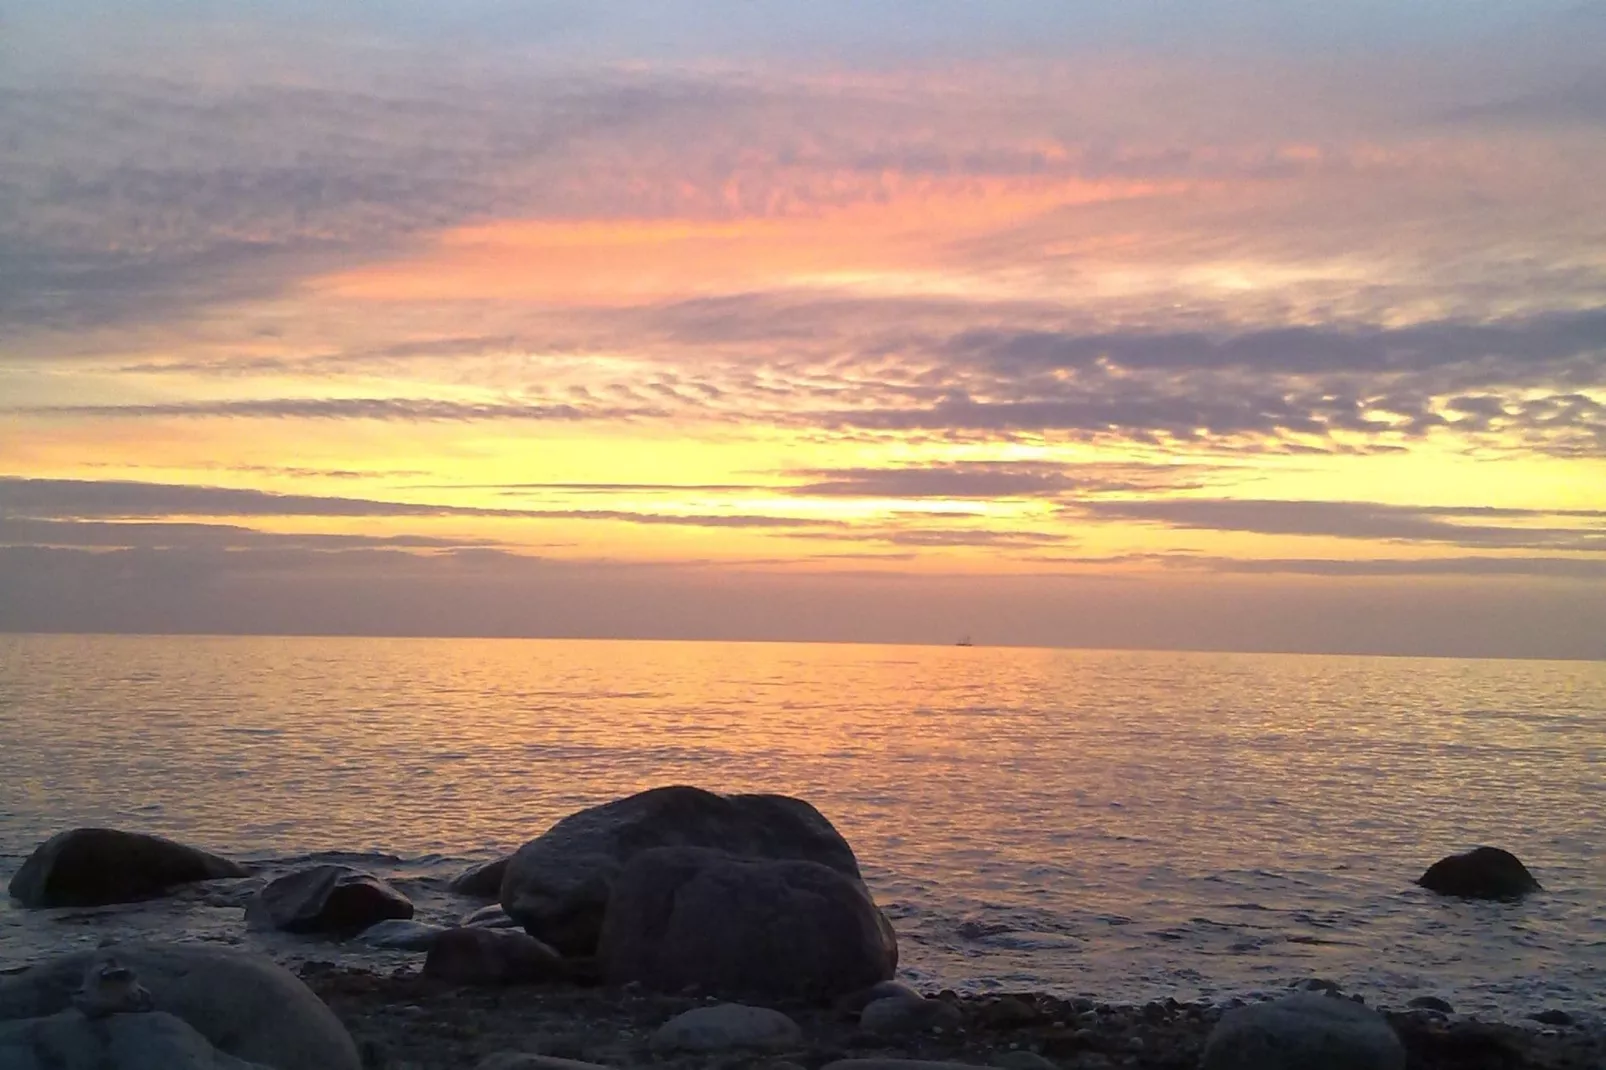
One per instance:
[(1121, 824)]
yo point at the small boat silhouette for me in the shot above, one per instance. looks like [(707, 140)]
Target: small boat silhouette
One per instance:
[(965, 642)]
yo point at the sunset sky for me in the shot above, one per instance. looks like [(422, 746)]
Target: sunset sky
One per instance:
[(1222, 324)]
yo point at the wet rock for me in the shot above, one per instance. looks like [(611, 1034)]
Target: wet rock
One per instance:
[(683, 916), (900, 1015), (856, 1001), (727, 1026), (398, 934), (521, 1061), (1024, 1060), (476, 956), (244, 1004), (557, 885), (896, 1064), (69, 1041), (1007, 1012), (483, 881), (88, 867), (326, 899), (491, 917), (1303, 1032), (1553, 1016), (1482, 873), (1431, 1003)]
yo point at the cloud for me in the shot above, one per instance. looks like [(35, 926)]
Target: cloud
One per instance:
[(172, 535), (1580, 568), (68, 499), (1362, 520), (990, 479), (408, 409)]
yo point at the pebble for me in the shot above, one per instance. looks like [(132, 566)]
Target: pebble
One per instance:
[(896, 1015)]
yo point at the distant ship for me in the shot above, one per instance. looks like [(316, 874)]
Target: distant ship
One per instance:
[(965, 642)]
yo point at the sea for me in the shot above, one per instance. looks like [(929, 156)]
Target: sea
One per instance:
[(1122, 825)]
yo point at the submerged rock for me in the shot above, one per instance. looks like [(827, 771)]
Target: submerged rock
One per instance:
[(88, 867), (244, 1004), (478, 956), (326, 899), (69, 1041), (557, 885), (1303, 1032), (727, 1026), (398, 934), (1481, 873), (483, 881), (682, 916)]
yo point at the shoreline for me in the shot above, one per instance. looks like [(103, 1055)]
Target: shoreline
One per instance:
[(403, 1021)]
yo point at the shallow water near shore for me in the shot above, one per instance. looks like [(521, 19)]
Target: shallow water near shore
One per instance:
[(1129, 825)]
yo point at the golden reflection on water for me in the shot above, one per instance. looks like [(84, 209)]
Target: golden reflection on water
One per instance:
[(1033, 817)]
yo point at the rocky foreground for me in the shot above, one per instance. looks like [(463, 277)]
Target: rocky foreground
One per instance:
[(407, 1022)]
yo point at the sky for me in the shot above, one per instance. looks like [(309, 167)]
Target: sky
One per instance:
[(1209, 325)]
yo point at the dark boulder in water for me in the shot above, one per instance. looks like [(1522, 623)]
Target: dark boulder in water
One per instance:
[(90, 867), (776, 928), (557, 885), (483, 881), (1482, 873), (326, 899)]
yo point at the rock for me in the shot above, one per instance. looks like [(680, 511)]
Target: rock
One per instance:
[(91, 867), (397, 934), (69, 1041), (896, 1064), (244, 1004), (508, 1060), (1553, 1016), (492, 957), (1008, 1012), (326, 899), (683, 916), (726, 1026), (1481, 873), (900, 1015), (1024, 1060), (557, 885), (1303, 1032), (1431, 1003), (483, 881), (855, 1002), (108, 988), (491, 917)]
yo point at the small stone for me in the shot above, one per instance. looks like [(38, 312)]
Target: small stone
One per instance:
[(899, 1015), (855, 1002), (1431, 1003), (396, 934), (1024, 1060), (1318, 984), (1303, 1032), (1553, 1016), (896, 1064), (726, 1026), (492, 957), (509, 1060), (488, 917)]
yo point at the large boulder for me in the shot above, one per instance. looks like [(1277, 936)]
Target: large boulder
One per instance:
[(557, 885), (326, 899), (91, 867), (69, 1041), (483, 881), (1303, 1032), (1481, 873), (244, 1004), (684, 916)]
